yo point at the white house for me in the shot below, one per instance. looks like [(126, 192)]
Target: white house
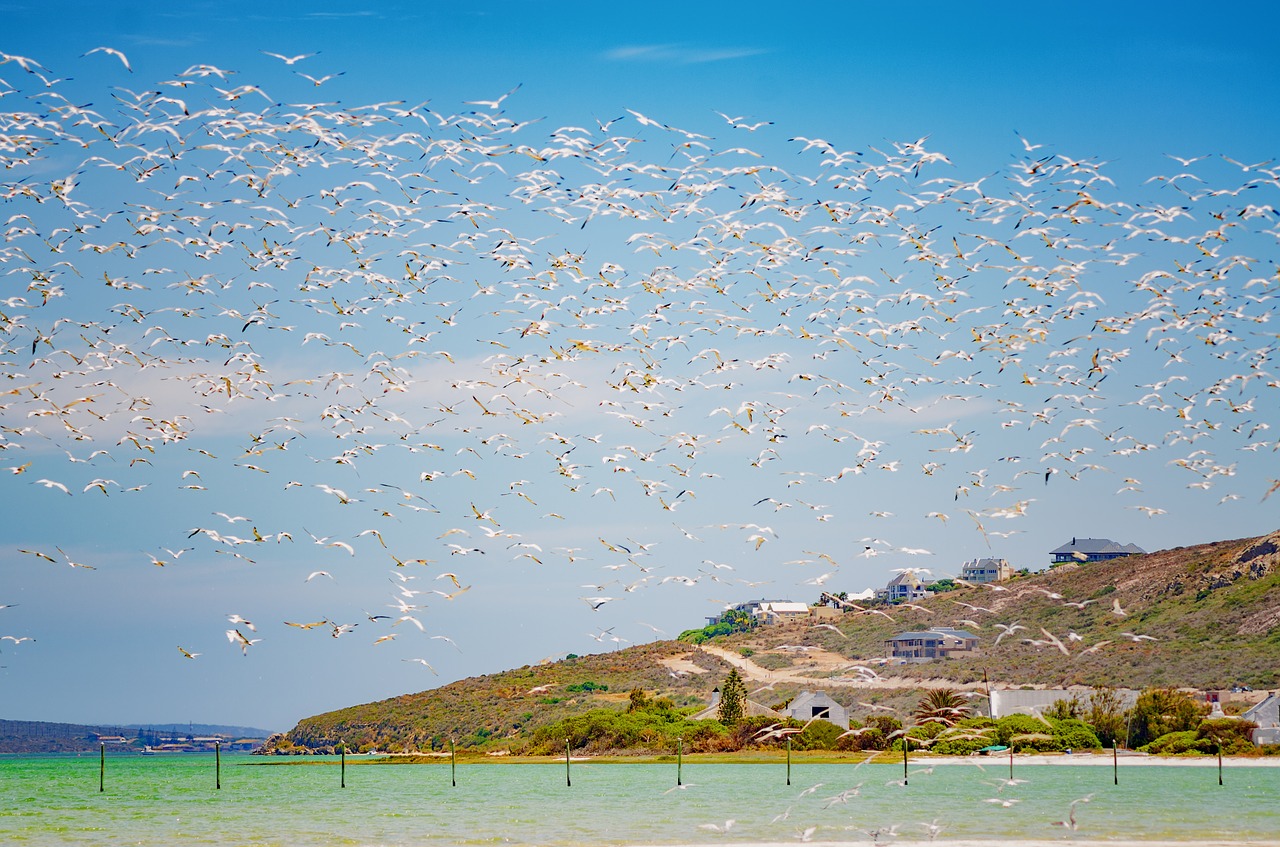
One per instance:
[(905, 586), (1009, 701), (981, 571), (774, 611), (1267, 716), (808, 705)]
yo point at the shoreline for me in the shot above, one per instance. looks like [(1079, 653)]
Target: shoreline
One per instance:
[(821, 757)]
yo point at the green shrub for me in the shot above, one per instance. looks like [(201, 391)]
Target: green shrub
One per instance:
[(1178, 743), (586, 687), (1075, 734)]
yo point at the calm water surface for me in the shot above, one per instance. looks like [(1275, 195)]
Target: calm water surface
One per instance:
[(171, 801)]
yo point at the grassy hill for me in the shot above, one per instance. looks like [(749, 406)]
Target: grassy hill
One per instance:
[(1207, 616)]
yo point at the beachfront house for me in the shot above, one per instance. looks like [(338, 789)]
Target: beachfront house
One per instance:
[(1093, 550), (811, 705), (980, 571), (939, 643), (1267, 716)]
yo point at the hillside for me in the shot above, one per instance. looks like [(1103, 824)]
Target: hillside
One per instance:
[(1199, 617)]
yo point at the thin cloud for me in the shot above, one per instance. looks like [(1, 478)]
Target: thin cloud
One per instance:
[(680, 54)]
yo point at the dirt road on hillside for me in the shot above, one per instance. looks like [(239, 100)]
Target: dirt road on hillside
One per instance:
[(819, 662)]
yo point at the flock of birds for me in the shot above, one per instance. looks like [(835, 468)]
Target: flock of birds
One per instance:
[(617, 349), (811, 802)]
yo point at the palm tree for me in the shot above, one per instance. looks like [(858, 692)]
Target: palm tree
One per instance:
[(941, 705)]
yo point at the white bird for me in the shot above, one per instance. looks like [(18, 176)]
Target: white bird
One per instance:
[(111, 51), (238, 638), (424, 663), (289, 60), (1070, 822)]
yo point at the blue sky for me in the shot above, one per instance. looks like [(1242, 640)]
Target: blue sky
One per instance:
[(650, 379)]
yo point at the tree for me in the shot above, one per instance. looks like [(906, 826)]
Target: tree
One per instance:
[(943, 706), (733, 699), (1160, 711), (1106, 715), (639, 700)]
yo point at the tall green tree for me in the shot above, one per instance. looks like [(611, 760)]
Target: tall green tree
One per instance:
[(1106, 715), (1160, 711), (733, 699)]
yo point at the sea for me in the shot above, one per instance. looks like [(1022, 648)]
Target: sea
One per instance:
[(175, 800)]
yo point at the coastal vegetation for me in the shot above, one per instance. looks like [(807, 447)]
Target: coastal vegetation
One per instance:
[(1195, 618)]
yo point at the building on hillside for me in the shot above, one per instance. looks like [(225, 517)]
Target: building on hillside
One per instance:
[(906, 586), (1011, 701), (811, 705), (776, 611), (939, 643), (1267, 716), (767, 611), (981, 571), (1093, 550)]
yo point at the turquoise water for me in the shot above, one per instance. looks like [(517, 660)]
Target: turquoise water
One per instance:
[(171, 800)]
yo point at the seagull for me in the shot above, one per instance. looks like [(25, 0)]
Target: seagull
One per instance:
[(289, 60), (111, 51), (1070, 822), (186, 652), (424, 663), (1007, 629), (492, 105), (238, 638)]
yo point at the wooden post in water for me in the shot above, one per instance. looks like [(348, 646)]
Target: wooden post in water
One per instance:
[(680, 760), (453, 764), (342, 771), (102, 767), (217, 765), (1011, 760), (1115, 763), (568, 781), (788, 760), (906, 742), (1219, 761)]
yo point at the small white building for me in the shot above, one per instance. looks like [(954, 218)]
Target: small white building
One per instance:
[(774, 611), (810, 705), (1011, 701), (1267, 716)]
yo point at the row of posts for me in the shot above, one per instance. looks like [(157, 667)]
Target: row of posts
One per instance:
[(568, 776)]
